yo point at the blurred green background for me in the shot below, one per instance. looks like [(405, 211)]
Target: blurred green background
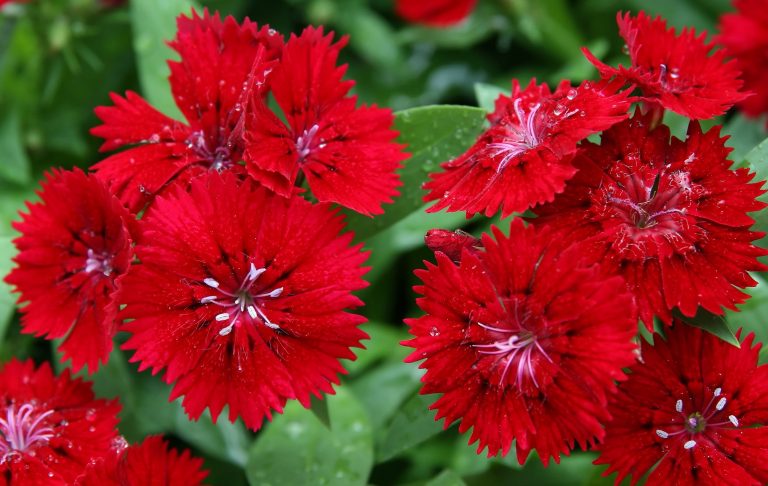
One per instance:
[(60, 58)]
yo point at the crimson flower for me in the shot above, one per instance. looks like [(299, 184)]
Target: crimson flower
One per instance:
[(452, 243), (675, 71), (696, 409), (744, 35), (50, 426), (345, 152), (73, 251), (524, 158), (223, 65), (241, 297), (150, 463), (435, 13), (523, 342), (670, 216)]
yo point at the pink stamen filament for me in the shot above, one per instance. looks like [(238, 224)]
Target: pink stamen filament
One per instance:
[(21, 429), (698, 422), (513, 347)]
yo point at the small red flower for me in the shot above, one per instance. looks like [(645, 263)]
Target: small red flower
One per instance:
[(223, 64), (524, 342), (73, 251), (435, 13), (696, 409), (744, 35), (151, 463), (524, 158), (670, 216), (241, 297), (345, 152), (50, 426), (674, 71), (452, 243)]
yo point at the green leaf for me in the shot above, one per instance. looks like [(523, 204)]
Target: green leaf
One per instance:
[(412, 425), (549, 24), (752, 315), (433, 134), (224, 439), (369, 35), (320, 409), (446, 478), (7, 302), (14, 164), (757, 161), (486, 95), (483, 22), (297, 449), (382, 390), (154, 24), (711, 323)]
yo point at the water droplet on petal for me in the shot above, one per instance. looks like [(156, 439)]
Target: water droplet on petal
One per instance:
[(571, 94)]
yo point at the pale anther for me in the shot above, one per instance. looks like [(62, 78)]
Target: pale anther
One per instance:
[(222, 317), (690, 444), (733, 420), (718, 391), (211, 282), (721, 403), (662, 434), (679, 405), (208, 299)]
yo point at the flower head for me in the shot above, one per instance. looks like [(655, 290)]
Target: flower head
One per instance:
[(435, 13), (523, 342), (74, 248), (50, 426), (223, 66), (524, 158), (241, 297), (670, 216), (696, 409), (346, 153), (675, 71)]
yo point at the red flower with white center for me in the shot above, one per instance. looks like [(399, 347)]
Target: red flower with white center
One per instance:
[(223, 65), (744, 35), (50, 426), (241, 296), (524, 158), (435, 13), (670, 216), (151, 462), (523, 342), (346, 153), (694, 411), (74, 248), (675, 71)]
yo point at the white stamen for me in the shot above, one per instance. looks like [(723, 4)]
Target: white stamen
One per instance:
[(211, 283), (224, 316), (690, 444), (733, 420), (252, 312), (227, 330), (721, 403), (679, 405), (662, 434), (274, 293), (718, 391), (208, 299), (254, 273)]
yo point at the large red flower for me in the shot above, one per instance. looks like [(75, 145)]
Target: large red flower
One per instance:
[(346, 153), (524, 158), (523, 342), (223, 65), (670, 216), (73, 251), (151, 463), (675, 71), (436, 13), (241, 297), (50, 426), (696, 409), (744, 35)]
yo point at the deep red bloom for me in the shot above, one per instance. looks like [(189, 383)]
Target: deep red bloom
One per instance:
[(452, 243), (151, 463), (524, 158), (676, 71), (698, 407), (524, 342), (241, 297), (223, 65), (744, 35), (346, 152), (436, 13), (670, 216), (73, 251), (50, 426)]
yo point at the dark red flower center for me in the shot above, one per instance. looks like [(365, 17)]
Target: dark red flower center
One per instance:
[(22, 429), (219, 158), (241, 303), (690, 425)]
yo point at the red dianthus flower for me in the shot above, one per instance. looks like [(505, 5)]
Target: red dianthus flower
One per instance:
[(523, 342), (241, 297), (223, 65), (50, 426), (674, 71), (696, 409), (744, 35), (73, 251), (524, 158), (670, 216), (346, 152), (151, 463), (435, 13)]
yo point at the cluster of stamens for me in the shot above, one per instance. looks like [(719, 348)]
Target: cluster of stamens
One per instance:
[(98, 262), (220, 158), (525, 135), (21, 429), (517, 349), (241, 301), (304, 142), (697, 422)]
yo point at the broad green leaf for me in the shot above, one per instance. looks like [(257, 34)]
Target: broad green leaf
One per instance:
[(744, 134), (433, 134), (296, 448), (757, 161), (14, 164), (486, 95), (7, 301), (711, 323), (114, 379), (382, 390), (154, 24), (753, 314), (446, 478), (549, 25), (412, 425), (384, 343), (224, 439), (320, 409)]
